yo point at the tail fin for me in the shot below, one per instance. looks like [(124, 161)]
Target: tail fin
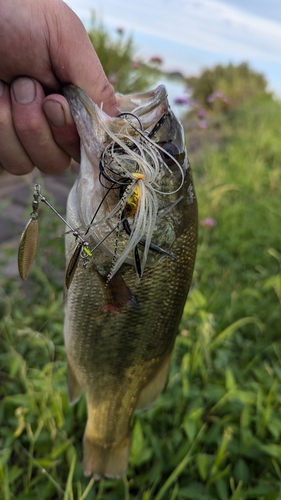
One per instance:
[(105, 460)]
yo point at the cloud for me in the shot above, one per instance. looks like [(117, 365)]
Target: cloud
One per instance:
[(209, 25)]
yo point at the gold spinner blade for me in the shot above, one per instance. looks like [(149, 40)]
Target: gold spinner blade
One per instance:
[(27, 247)]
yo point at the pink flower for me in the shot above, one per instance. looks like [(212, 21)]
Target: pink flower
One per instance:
[(217, 94), (209, 222), (135, 65), (203, 124), (194, 104), (156, 60)]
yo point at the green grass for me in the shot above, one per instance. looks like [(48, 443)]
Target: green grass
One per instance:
[(215, 433)]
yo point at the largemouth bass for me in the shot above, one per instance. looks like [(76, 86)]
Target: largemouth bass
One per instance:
[(134, 204)]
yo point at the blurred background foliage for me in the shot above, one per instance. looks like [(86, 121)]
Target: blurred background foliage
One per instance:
[(222, 88), (215, 432), (125, 71)]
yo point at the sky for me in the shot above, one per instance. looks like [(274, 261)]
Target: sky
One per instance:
[(191, 35)]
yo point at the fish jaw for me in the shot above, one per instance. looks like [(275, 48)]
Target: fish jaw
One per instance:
[(86, 115), (87, 187)]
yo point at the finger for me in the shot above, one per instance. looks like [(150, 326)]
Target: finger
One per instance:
[(13, 157), (74, 59), (33, 129), (64, 130)]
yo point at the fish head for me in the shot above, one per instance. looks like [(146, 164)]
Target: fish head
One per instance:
[(132, 174)]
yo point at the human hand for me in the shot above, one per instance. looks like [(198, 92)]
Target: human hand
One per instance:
[(43, 45)]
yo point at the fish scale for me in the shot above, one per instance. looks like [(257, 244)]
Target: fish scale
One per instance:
[(119, 336)]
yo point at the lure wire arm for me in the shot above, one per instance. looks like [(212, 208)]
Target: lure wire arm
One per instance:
[(76, 234)]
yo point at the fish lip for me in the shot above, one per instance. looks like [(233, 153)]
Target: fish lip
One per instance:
[(148, 106), (70, 89), (77, 97), (150, 100)]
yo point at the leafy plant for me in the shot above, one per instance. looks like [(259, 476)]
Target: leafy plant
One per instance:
[(117, 56)]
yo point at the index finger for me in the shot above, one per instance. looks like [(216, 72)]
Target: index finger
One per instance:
[(74, 59)]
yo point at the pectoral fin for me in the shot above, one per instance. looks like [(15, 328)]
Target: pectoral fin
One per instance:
[(118, 294), (74, 388)]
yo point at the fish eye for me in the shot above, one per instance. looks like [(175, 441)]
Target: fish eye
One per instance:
[(172, 149)]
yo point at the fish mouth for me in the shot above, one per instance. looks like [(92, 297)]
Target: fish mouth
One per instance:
[(149, 106), (145, 104), (140, 102), (132, 179)]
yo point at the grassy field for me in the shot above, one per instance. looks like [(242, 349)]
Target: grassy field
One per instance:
[(214, 434)]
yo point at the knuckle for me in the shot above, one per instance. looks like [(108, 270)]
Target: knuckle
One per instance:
[(108, 95)]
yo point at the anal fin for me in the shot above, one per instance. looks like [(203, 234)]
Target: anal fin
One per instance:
[(152, 390)]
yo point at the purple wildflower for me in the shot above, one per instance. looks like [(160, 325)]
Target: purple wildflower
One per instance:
[(209, 222), (182, 100), (201, 113)]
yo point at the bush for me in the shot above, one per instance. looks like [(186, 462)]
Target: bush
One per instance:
[(223, 87)]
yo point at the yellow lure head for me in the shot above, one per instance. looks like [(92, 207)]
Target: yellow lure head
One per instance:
[(133, 200), (138, 176)]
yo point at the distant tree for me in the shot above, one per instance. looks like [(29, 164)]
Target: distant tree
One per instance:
[(223, 87), (118, 57)]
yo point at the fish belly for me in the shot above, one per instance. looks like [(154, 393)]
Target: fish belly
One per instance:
[(121, 359)]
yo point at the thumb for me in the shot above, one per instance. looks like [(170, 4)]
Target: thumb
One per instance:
[(74, 59)]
